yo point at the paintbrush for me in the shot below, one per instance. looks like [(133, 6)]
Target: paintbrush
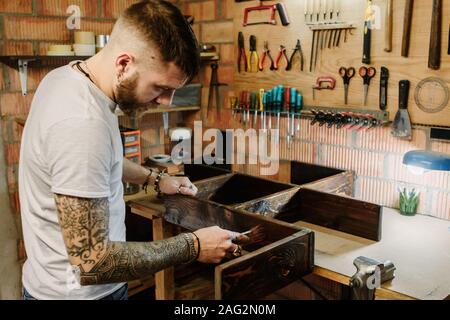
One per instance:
[(255, 235), (402, 124)]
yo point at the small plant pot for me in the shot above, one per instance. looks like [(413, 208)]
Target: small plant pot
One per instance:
[(409, 201)]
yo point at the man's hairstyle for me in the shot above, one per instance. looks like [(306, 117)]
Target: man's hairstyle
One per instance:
[(162, 24)]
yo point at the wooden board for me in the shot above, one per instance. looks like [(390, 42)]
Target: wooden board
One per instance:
[(266, 270), (303, 173), (197, 172), (414, 68), (322, 178), (344, 214)]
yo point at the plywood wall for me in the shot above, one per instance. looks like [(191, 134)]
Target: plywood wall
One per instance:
[(414, 68)]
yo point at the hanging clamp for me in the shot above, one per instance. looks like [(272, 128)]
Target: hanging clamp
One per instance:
[(23, 73)]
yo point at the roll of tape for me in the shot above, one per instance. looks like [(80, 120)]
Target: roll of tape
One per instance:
[(84, 37), (60, 48)]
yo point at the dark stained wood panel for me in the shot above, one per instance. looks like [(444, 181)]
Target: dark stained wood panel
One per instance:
[(344, 214), (273, 267), (303, 173)]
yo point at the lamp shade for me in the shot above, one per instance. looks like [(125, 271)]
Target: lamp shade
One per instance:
[(427, 160)]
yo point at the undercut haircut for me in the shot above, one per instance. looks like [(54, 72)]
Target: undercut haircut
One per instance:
[(162, 24)]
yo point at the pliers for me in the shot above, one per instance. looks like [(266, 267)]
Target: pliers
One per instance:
[(282, 53), (266, 53), (253, 54), (298, 48), (242, 55)]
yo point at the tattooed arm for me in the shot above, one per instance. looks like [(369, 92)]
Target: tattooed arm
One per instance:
[(84, 225)]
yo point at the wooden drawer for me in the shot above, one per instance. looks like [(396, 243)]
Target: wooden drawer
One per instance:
[(322, 178), (197, 172), (235, 188), (336, 212), (283, 256)]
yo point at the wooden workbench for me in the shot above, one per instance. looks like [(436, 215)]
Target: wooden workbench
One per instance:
[(419, 247)]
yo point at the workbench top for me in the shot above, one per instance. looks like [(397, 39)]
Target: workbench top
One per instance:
[(419, 247)]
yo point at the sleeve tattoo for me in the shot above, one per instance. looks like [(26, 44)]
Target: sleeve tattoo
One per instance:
[(84, 225)]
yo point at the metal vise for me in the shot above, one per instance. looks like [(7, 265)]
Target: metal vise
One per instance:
[(369, 276)]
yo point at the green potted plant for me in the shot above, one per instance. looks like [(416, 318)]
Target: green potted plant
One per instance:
[(409, 201)]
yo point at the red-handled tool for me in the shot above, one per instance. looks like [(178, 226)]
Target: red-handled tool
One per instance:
[(266, 53), (324, 83), (282, 53), (272, 8)]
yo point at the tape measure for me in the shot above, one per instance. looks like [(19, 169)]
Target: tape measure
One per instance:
[(432, 95)]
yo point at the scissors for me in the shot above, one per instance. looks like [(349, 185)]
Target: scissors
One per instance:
[(367, 74), (347, 74)]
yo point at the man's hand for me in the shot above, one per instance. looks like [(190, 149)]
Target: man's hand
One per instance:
[(215, 243), (174, 185)]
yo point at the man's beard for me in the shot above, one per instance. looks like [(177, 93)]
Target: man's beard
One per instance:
[(127, 100)]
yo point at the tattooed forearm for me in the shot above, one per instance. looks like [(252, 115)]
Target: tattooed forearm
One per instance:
[(84, 224)]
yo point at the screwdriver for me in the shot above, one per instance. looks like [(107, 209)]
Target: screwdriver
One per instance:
[(252, 105), (261, 106), (279, 103), (269, 109), (293, 103), (287, 109), (299, 107), (263, 118)]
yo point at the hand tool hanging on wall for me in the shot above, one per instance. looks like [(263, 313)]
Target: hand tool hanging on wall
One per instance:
[(402, 124), (287, 110), (214, 90), (367, 74), (253, 58), (407, 23), (434, 57), (297, 49), (312, 50), (388, 26), (326, 32), (432, 95), (384, 84), (324, 83), (448, 49), (281, 54), (266, 53), (254, 107), (273, 8), (367, 33), (242, 55), (346, 75)]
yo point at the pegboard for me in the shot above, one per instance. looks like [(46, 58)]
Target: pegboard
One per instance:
[(414, 68)]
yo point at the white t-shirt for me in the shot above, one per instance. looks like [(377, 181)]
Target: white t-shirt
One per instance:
[(71, 145)]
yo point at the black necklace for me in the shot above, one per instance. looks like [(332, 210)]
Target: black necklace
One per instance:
[(84, 72)]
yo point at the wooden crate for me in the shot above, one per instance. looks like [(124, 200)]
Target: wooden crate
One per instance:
[(285, 254)]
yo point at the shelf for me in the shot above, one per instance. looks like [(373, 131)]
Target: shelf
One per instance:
[(22, 63), (56, 61), (165, 110), (39, 61), (22, 120)]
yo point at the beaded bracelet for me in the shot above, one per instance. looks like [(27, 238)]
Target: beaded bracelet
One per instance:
[(145, 185), (157, 180)]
